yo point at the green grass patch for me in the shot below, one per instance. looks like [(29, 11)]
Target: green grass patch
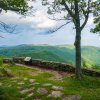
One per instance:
[(88, 88)]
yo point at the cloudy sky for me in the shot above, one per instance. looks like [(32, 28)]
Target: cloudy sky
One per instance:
[(34, 30)]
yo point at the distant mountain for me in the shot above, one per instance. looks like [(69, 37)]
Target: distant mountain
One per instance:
[(59, 53)]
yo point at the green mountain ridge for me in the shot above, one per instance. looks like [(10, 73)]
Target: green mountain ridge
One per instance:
[(58, 53)]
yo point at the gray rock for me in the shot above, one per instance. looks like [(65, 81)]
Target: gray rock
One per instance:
[(72, 97), (32, 80), (36, 83), (47, 84), (25, 79), (55, 94), (42, 91), (20, 83), (0, 84), (26, 90), (57, 87), (29, 95)]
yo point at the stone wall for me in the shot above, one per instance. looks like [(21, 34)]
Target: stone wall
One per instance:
[(55, 66)]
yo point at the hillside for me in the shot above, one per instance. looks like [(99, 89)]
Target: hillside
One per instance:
[(60, 53)]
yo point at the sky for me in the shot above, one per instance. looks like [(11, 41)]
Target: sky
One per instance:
[(35, 29)]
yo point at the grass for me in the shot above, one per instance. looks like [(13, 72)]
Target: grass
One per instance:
[(88, 88)]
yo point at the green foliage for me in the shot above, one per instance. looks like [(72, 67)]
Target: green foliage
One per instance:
[(14, 5), (96, 12), (85, 88), (62, 53)]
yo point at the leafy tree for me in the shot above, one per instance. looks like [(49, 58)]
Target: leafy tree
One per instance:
[(77, 12), (19, 6), (97, 16)]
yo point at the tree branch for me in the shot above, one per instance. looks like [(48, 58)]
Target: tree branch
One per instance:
[(86, 15), (67, 8), (52, 31)]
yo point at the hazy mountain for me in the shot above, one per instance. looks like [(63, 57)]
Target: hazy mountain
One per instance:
[(59, 53)]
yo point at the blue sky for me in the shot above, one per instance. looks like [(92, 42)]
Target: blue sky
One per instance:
[(34, 30)]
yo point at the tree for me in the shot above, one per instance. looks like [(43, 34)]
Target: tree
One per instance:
[(97, 16), (19, 6), (77, 11)]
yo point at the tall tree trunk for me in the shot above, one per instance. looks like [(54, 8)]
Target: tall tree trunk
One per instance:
[(78, 70), (78, 41)]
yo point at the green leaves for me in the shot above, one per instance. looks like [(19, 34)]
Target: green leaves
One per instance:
[(14, 5)]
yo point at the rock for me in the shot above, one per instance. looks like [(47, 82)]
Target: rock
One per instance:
[(42, 91), (32, 80), (25, 79), (7, 72), (57, 87), (14, 81), (0, 84), (9, 85), (26, 90), (47, 84), (29, 95), (20, 83), (55, 94), (36, 83), (72, 97)]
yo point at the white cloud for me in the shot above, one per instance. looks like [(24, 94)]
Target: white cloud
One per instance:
[(34, 24)]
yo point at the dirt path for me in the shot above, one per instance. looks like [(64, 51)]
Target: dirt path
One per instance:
[(57, 75)]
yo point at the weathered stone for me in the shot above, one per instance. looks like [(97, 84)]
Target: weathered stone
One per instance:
[(0, 84), (9, 85), (55, 94), (25, 79), (72, 97), (32, 80), (14, 81), (30, 95), (26, 90), (36, 83), (20, 83), (57, 87), (47, 84), (42, 91)]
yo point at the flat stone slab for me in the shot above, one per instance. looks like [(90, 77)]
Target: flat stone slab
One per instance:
[(1, 84), (26, 90), (57, 88), (36, 83), (20, 83), (56, 94), (47, 84), (72, 97), (32, 80), (25, 79), (30, 95), (42, 91)]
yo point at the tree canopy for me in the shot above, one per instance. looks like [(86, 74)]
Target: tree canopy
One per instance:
[(77, 12), (97, 16), (14, 5)]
